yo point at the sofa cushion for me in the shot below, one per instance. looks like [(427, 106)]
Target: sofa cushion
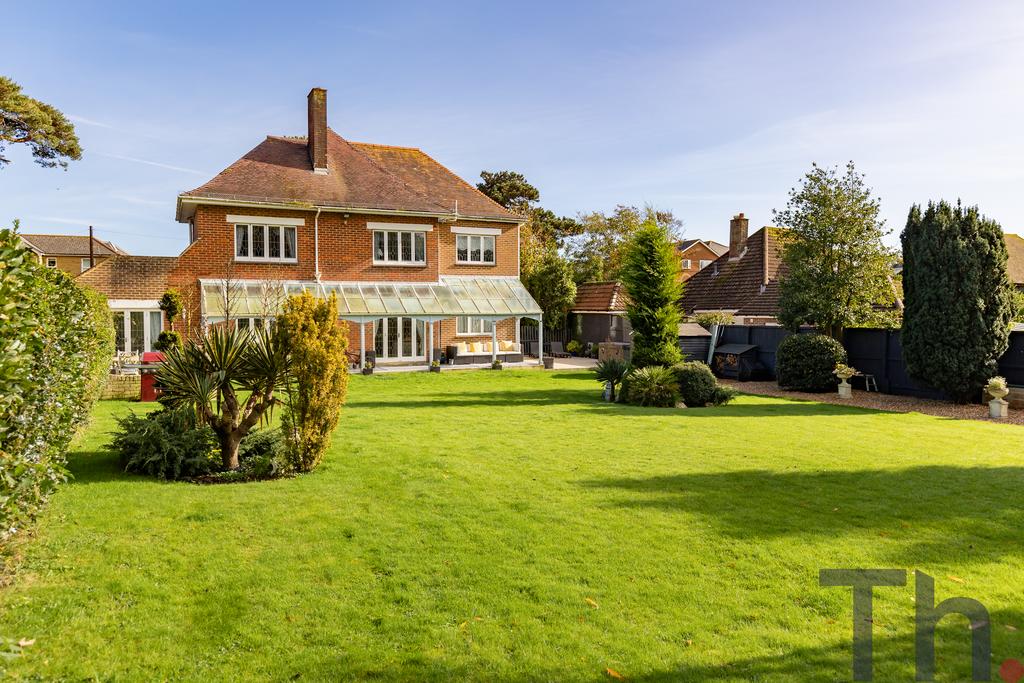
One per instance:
[(506, 346)]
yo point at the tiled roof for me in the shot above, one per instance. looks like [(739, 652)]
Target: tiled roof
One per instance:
[(130, 277), (600, 297), (361, 176), (69, 245), (717, 248), (1015, 264), (748, 285)]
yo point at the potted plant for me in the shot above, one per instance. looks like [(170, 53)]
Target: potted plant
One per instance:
[(997, 389), (368, 368), (496, 365), (435, 365), (573, 347), (844, 372)]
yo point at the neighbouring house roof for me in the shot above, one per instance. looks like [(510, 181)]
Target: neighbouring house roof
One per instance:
[(1015, 263), (599, 297), (69, 245), (716, 247), (748, 285), (130, 277), (494, 297), (692, 330), (360, 176)]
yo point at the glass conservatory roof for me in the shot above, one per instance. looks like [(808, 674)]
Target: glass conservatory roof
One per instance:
[(491, 297)]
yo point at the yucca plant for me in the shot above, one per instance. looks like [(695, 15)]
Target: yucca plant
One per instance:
[(611, 372), (228, 378), (654, 386)]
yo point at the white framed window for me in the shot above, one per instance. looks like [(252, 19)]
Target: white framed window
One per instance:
[(704, 263), (85, 264), (136, 331), (51, 263), (686, 264), (400, 247), (266, 243), (477, 249), (469, 325)]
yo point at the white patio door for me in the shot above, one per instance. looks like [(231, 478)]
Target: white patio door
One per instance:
[(399, 339)]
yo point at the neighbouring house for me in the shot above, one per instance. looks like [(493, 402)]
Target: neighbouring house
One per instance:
[(695, 255), (133, 286), (744, 281), (420, 260), (69, 253), (599, 313)]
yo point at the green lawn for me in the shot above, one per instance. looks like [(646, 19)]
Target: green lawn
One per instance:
[(508, 526)]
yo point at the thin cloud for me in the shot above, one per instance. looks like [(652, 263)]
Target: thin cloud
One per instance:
[(88, 122), (157, 164)]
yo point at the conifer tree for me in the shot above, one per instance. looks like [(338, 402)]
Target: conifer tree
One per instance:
[(958, 298), (650, 274)]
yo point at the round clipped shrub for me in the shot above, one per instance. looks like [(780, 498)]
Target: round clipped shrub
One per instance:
[(167, 340), (696, 383), (806, 362), (655, 386)]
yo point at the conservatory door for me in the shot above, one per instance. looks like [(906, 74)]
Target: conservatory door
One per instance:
[(399, 340)]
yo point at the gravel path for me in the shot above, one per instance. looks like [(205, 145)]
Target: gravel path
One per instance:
[(877, 401)]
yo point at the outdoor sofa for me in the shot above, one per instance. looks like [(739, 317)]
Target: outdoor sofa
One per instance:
[(468, 353)]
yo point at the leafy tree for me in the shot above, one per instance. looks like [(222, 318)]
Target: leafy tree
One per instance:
[(650, 274), (958, 298), (508, 188), (47, 132), (228, 377), (838, 270), (596, 247), (550, 283), (1017, 299), (319, 382)]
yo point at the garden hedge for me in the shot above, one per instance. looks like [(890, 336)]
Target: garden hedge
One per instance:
[(56, 341), (805, 362)]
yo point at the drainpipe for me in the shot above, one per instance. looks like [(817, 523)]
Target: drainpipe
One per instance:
[(316, 245)]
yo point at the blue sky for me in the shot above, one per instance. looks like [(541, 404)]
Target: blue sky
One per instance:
[(705, 108)]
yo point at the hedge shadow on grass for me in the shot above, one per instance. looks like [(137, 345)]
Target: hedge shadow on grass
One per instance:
[(935, 513)]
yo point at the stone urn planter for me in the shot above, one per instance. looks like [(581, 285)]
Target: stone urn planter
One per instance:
[(549, 363), (844, 373), (368, 369), (997, 389)]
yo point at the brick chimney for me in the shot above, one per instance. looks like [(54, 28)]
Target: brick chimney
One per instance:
[(316, 140), (738, 235)]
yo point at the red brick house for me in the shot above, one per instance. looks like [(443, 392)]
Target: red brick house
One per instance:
[(744, 281), (695, 255), (420, 259)]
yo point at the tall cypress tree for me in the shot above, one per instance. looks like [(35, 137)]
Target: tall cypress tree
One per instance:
[(650, 274), (958, 298)]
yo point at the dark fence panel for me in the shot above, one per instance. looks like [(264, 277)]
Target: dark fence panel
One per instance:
[(695, 348), (528, 336), (765, 338), (879, 353), (1011, 365)]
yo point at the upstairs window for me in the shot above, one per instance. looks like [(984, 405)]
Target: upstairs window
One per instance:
[(399, 247), (686, 264), (474, 249), (704, 263), (270, 243)]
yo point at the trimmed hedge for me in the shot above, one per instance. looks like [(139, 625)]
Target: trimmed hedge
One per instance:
[(805, 362), (696, 383), (56, 341)]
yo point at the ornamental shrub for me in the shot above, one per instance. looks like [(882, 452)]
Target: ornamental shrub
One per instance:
[(167, 340), (650, 274), (319, 376), (655, 386), (56, 341), (167, 444), (805, 362), (696, 383)]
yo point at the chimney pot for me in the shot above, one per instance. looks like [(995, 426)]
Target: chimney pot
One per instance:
[(738, 228), (316, 139)]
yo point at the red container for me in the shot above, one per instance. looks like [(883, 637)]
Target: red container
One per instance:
[(149, 391)]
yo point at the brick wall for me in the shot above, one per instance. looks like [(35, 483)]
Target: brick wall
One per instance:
[(695, 253)]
